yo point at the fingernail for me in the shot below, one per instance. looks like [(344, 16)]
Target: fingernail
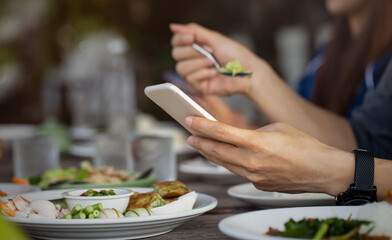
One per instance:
[(213, 71), (190, 140), (188, 121), (186, 38)]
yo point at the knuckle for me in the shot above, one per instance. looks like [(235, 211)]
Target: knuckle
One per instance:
[(252, 166), (255, 145), (221, 131), (179, 68), (196, 142), (174, 53), (175, 39), (216, 150)]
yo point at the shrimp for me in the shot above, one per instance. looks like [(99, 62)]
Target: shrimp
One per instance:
[(11, 205), (4, 209), (20, 203)]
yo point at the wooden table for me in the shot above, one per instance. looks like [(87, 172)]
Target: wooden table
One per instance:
[(202, 227)]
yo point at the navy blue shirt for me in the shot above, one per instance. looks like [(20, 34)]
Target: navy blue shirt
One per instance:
[(374, 72), (372, 120)]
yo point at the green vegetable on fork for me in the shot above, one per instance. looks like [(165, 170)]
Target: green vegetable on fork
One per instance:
[(234, 67)]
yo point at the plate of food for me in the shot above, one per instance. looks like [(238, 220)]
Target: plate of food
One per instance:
[(88, 176), (97, 213), (10, 189), (248, 193), (202, 166), (370, 221)]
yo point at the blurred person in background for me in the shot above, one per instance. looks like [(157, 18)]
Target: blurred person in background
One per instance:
[(348, 105)]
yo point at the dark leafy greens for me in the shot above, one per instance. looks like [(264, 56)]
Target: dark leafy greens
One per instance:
[(331, 228)]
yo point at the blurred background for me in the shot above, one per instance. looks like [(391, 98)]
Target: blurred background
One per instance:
[(56, 55), (75, 69)]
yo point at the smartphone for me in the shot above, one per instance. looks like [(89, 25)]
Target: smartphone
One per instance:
[(176, 103)]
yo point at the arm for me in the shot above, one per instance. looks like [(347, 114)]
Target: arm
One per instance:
[(281, 104), (281, 158), (274, 98)]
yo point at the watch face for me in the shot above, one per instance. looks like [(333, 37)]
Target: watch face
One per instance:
[(357, 201), (356, 197)]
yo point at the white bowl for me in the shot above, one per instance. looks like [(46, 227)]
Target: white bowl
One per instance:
[(119, 201)]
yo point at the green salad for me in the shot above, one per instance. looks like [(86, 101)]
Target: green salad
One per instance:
[(330, 228), (233, 67), (85, 174)]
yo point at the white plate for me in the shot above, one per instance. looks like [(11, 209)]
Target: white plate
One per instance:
[(253, 225), (16, 131), (123, 228), (13, 189), (202, 166), (248, 193)]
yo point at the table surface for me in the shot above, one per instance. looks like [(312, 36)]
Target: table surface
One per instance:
[(201, 227)]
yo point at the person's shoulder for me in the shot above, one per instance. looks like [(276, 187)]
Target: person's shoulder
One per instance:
[(386, 78)]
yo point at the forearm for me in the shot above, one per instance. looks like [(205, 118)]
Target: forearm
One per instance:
[(281, 104)]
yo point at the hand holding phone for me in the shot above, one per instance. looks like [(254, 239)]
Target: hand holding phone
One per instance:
[(176, 103)]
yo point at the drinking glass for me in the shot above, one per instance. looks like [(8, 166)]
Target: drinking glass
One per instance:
[(111, 150), (156, 152), (32, 156)]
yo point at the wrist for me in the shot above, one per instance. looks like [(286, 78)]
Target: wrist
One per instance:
[(256, 80), (342, 173)]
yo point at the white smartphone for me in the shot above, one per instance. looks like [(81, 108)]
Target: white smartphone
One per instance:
[(176, 103)]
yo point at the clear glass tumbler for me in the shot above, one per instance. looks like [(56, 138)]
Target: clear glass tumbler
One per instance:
[(111, 150), (156, 152), (32, 156)]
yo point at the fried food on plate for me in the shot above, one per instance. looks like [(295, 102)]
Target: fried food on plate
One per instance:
[(169, 200), (145, 200), (170, 189)]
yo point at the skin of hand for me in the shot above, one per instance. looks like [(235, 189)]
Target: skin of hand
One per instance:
[(199, 71), (276, 157), (281, 158)]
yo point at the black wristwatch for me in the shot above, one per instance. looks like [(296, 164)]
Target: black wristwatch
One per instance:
[(362, 190)]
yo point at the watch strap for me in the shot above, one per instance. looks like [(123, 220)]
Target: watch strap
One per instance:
[(364, 170)]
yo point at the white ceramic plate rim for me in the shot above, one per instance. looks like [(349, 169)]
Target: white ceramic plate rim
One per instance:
[(203, 204), (186, 167), (232, 227), (233, 191), (18, 187), (72, 194)]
